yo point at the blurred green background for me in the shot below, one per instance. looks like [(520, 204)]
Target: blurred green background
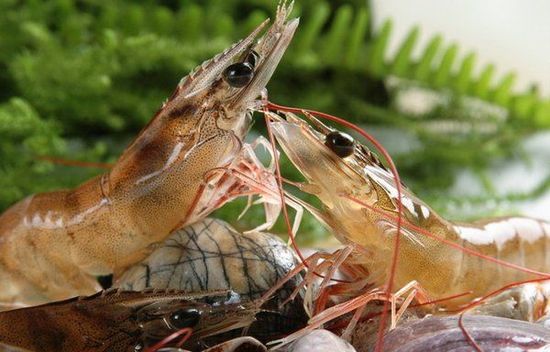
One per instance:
[(78, 79)]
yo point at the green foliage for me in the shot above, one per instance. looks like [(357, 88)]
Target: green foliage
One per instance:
[(346, 45), (23, 134), (78, 79)]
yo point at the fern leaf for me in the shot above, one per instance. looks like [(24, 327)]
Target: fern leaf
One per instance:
[(309, 32), (424, 67), (376, 57), (502, 93), (523, 106), (464, 76), (338, 29), (403, 61), (357, 37), (542, 114), (481, 88), (443, 73)]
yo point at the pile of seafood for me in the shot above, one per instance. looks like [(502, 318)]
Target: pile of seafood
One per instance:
[(130, 260)]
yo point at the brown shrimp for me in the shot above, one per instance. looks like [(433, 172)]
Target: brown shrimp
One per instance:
[(123, 320), (53, 245)]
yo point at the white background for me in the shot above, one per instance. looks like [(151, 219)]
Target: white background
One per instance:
[(512, 34)]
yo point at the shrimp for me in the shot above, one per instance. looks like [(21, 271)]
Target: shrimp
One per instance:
[(53, 245), (123, 320), (360, 205)]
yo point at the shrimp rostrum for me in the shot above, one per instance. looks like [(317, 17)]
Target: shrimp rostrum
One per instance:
[(360, 206), (53, 245)]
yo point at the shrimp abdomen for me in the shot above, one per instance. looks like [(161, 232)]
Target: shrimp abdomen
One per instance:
[(521, 241)]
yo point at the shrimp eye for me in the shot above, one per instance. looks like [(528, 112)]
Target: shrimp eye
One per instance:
[(185, 318), (342, 144), (238, 75), (252, 58)]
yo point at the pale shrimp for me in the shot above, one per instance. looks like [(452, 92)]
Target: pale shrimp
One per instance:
[(53, 245), (436, 258), (125, 321)]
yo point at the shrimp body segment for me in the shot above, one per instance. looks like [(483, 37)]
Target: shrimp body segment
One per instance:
[(52, 245), (360, 206)]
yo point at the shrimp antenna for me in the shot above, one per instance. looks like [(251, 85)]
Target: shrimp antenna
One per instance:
[(75, 163), (467, 335), (393, 170), (463, 309), (186, 332), (496, 292)]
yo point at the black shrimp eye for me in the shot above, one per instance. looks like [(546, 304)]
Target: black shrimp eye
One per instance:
[(252, 58), (185, 318), (342, 144), (238, 75)]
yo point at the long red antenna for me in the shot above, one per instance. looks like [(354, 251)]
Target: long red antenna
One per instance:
[(186, 332), (76, 163), (496, 292), (393, 169), (467, 335)]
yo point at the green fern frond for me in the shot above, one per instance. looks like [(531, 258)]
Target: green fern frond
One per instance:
[(401, 65), (425, 64), (309, 30), (376, 63), (332, 50), (358, 34), (449, 72), (463, 79), (481, 87)]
